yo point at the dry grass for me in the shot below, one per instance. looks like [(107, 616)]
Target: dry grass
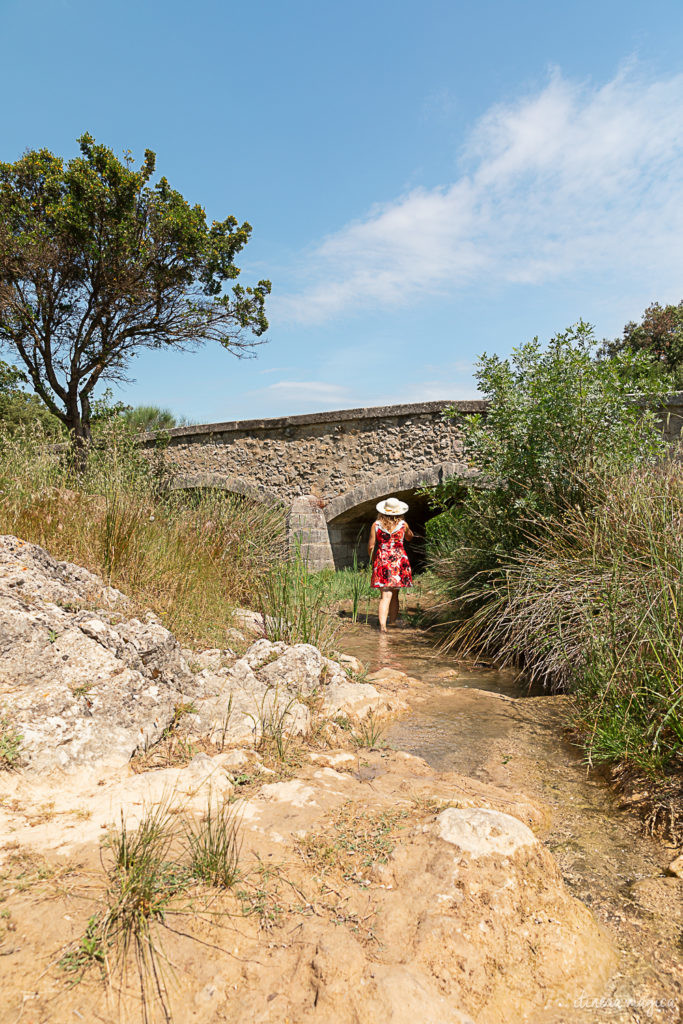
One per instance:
[(353, 842), (190, 558)]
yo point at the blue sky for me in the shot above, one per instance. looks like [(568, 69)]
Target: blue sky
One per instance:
[(425, 181)]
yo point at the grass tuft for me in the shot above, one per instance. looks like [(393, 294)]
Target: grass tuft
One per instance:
[(369, 733), (213, 846)]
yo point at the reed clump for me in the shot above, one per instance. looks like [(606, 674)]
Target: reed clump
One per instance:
[(594, 605), (191, 558)]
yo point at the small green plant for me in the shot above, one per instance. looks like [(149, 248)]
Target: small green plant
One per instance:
[(179, 711), (80, 691), (86, 952), (225, 726), (271, 724), (10, 744), (213, 846), (369, 733)]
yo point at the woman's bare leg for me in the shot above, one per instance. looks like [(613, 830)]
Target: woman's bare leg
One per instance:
[(393, 607), (384, 602)]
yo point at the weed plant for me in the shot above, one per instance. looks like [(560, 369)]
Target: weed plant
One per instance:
[(142, 883), (147, 870), (271, 723), (369, 733), (214, 845), (189, 557), (10, 744)]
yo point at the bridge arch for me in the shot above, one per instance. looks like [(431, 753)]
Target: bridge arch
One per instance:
[(222, 482), (349, 515)]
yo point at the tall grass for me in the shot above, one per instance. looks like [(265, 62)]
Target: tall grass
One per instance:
[(595, 605), (294, 603), (191, 558)]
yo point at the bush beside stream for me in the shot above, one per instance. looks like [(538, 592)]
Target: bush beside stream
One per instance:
[(567, 559)]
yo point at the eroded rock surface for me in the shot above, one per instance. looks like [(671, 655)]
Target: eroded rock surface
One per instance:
[(83, 681), (80, 682)]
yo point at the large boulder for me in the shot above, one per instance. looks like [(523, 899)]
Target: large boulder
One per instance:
[(80, 681)]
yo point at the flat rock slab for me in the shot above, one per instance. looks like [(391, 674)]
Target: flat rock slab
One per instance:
[(480, 832)]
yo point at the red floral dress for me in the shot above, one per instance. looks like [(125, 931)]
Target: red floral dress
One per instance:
[(390, 567)]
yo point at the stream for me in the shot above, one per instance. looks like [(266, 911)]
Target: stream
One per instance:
[(482, 722)]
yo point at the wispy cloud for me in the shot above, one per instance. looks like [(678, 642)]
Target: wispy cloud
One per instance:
[(317, 392), (575, 179)]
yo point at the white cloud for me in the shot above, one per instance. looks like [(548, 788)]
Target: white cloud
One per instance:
[(573, 180), (315, 391)]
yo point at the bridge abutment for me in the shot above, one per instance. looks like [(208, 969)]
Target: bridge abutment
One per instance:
[(307, 533)]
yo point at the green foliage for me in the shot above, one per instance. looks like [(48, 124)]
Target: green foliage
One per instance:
[(86, 952), (559, 418), (595, 604), (96, 262), (150, 417), (659, 334), (20, 409)]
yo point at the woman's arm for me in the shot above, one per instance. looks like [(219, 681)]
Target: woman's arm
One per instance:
[(371, 540), (409, 533)]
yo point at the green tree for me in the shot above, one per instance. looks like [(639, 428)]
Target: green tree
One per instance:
[(150, 417), (660, 333), (97, 263)]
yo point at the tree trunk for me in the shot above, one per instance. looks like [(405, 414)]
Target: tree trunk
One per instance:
[(80, 437)]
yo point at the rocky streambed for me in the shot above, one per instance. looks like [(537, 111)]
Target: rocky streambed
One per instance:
[(373, 885)]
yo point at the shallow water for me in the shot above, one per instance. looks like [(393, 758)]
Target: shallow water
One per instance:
[(484, 723)]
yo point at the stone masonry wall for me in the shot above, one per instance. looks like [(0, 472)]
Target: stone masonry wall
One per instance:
[(324, 454)]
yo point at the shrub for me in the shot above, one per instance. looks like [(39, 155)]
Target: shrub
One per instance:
[(559, 419)]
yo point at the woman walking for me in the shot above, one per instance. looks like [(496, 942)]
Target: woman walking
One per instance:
[(390, 566)]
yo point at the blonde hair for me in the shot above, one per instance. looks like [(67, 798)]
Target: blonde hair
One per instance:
[(388, 522)]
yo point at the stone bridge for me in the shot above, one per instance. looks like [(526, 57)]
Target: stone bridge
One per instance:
[(329, 469)]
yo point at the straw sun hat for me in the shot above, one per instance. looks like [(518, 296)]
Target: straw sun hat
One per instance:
[(391, 507)]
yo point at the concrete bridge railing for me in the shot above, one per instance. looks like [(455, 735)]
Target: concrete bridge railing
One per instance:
[(329, 469)]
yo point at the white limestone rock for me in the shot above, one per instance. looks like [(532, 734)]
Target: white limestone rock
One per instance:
[(80, 686), (353, 699), (480, 832), (298, 669)]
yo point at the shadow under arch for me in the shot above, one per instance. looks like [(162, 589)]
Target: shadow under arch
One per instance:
[(350, 516)]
